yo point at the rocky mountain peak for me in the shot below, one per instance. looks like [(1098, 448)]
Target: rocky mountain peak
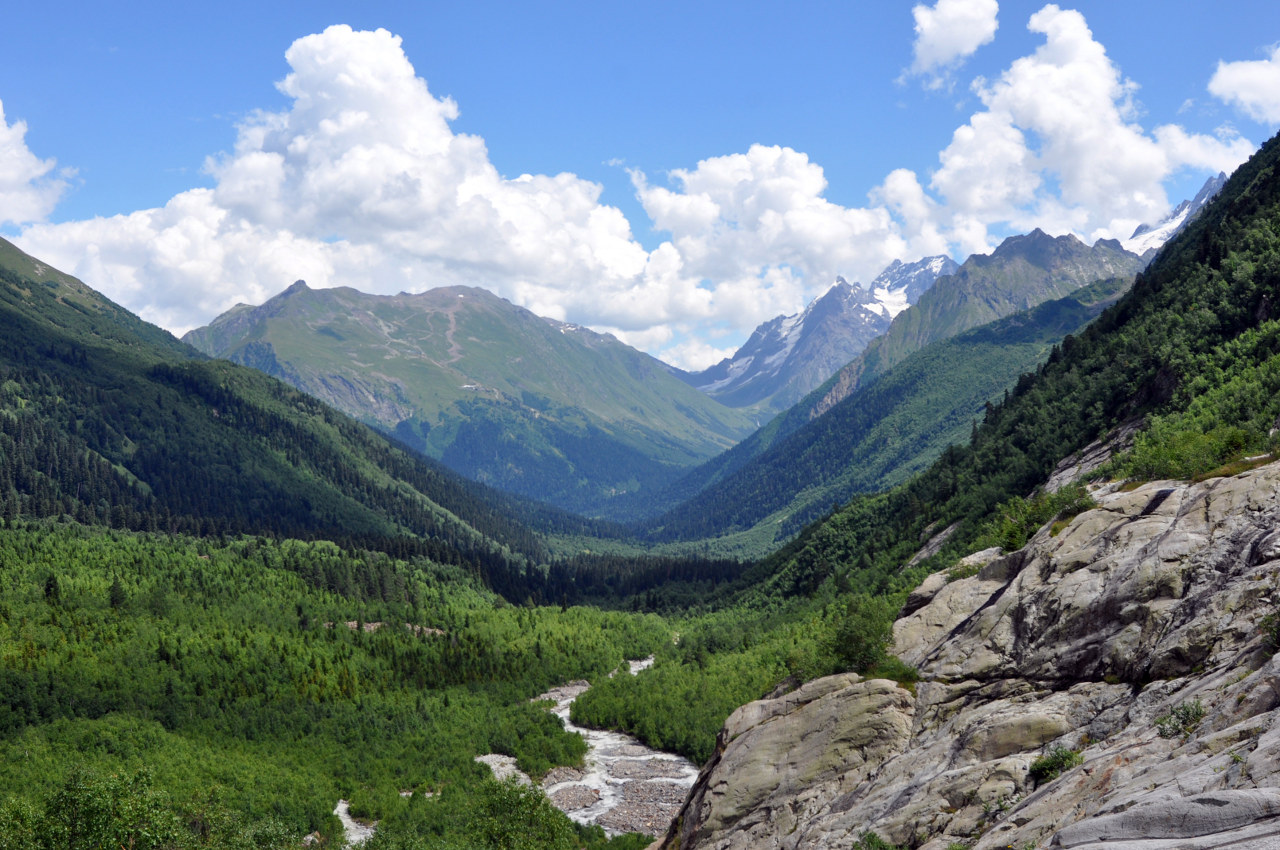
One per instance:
[(1149, 238), (788, 356)]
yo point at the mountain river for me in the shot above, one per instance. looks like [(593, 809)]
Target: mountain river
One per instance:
[(623, 785)]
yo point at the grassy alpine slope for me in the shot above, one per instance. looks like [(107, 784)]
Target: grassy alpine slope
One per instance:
[(544, 409)]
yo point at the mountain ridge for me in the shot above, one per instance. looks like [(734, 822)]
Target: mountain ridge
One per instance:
[(788, 356), (541, 408), (1033, 263)]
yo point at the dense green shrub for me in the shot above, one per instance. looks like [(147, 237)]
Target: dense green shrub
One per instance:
[(1052, 764)]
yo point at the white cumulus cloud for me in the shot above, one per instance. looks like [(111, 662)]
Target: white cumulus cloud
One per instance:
[(361, 181), (949, 32), (755, 232), (29, 188), (1058, 146), (1254, 86)]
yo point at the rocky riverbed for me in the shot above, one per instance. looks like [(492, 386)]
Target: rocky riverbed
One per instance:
[(357, 832), (624, 786)]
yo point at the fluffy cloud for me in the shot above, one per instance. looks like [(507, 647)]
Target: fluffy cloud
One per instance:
[(1254, 86), (949, 32), (361, 181), (1057, 146), (28, 189), (757, 225)]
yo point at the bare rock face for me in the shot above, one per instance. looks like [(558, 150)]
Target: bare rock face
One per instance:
[(1132, 637)]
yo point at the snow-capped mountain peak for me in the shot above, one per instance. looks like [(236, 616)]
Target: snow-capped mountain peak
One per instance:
[(1151, 237), (901, 284), (789, 355)]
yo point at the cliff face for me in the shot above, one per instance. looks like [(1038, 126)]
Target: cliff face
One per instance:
[(1108, 638)]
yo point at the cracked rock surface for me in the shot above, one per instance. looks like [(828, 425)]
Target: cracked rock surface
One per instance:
[(1081, 640)]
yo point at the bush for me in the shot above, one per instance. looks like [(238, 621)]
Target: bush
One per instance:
[(1019, 518), (871, 841), (863, 633), (1051, 765), (1181, 721)]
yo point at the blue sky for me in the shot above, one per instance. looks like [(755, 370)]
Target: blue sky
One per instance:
[(150, 134)]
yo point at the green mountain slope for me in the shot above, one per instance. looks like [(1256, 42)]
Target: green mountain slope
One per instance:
[(1019, 274), (1022, 272), (893, 428), (1192, 351), (539, 408), (106, 419)]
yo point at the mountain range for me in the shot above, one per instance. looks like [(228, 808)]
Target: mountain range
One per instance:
[(539, 408), (788, 356), (810, 456)]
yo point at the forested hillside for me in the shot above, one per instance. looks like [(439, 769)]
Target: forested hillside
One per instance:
[(166, 692), (1192, 351), (110, 420), (893, 428)]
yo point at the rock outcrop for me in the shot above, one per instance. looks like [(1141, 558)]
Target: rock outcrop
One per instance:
[(1136, 637)]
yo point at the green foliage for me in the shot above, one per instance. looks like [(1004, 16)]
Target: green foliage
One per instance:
[(1052, 764), (892, 667), (863, 633), (89, 811), (1270, 628), (871, 841), (1019, 518), (230, 664), (1181, 720)]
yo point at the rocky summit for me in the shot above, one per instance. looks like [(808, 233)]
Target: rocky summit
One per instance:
[(1110, 685)]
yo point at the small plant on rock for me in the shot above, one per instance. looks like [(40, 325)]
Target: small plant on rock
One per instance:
[(1181, 721), (1051, 765), (1270, 628), (871, 841)]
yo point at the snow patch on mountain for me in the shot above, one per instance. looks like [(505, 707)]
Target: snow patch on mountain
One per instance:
[(789, 355), (1151, 237)]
